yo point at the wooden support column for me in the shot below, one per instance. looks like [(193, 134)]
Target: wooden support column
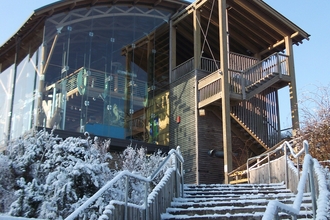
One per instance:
[(197, 60), (40, 117), (197, 39), (292, 86), (172, 58), (227, 146)]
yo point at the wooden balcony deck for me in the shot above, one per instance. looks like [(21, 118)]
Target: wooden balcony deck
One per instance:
[(244, 85)]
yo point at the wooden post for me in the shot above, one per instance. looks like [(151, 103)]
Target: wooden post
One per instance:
[(172, 58), (197, 54), (227, 148), (292, 86), (197, 39)]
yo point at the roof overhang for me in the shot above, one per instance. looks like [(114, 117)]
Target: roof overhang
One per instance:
[(254, 27)]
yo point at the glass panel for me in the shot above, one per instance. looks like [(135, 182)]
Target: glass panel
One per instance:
[(6, 78), (24, 98), (101, 66)]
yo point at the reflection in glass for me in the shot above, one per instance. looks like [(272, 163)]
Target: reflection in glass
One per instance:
[(101, 74)]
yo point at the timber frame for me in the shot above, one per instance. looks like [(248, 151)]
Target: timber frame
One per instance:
[(242, 53)]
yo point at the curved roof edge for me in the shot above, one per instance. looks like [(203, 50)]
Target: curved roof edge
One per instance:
[(32, 29)]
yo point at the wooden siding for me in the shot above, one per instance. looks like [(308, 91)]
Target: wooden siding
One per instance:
[(183, 134), (261, 174), (210, 138)]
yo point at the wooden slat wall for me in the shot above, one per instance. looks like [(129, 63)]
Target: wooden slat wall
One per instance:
[(277, 172), (261, 173), (183, 134)]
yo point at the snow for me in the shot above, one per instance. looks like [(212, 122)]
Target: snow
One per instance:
[(7, 217), (60, 180), (323, 195)]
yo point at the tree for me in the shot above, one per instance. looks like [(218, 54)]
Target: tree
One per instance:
[(315, 123)]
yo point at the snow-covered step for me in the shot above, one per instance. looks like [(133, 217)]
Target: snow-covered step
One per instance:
[(219, 201)]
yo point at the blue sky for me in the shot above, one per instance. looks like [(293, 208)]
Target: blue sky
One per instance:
[(311, 58)]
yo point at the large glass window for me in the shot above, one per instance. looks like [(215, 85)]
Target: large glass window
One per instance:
[(6, 80), (100, 73), (23, 118)]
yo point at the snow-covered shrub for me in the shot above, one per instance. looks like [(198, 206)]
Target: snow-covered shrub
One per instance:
[(56, 176), (53, 177), (136, 161), (7, 184)]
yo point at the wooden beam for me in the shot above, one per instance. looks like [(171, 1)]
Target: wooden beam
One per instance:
[(197, 39), (250, 30), (226, 123), (259, 15), (279, 43), (188, 10), (292, 86)]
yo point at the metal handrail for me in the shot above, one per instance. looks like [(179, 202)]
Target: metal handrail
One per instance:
[(274, 207), (128, 174)]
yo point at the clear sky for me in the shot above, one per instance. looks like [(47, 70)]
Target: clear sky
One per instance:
[(311, 58)]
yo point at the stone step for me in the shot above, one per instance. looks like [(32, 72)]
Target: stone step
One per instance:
[(238, 216), (194, 203), (239, 202), (246, 186), (234, 192)]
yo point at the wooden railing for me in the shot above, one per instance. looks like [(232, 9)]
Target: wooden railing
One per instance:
[(209, 65), (239, 62), (209, 88), (182, 69), (275, 63), (96, 80), (236, 80)]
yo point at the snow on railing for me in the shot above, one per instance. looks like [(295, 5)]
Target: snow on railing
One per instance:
[(173, 154), (310, 166)]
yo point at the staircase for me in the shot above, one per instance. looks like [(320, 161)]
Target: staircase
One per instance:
[(255, 144), (245, 201)]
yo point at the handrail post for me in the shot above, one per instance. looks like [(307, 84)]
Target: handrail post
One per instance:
[(126, 196), (279, 65), (269, 176), (243, 85), (247, 172), (182, 180), (298, 168), (177, 180), (312, 186), (286, 166), (311, 178), (146, 201)]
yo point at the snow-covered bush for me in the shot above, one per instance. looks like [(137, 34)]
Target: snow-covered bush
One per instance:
[(55, 176), (136, 161), (51, 177), (7, 184)]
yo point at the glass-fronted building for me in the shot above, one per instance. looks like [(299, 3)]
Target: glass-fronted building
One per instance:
[(92, 69), (203, 75)]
